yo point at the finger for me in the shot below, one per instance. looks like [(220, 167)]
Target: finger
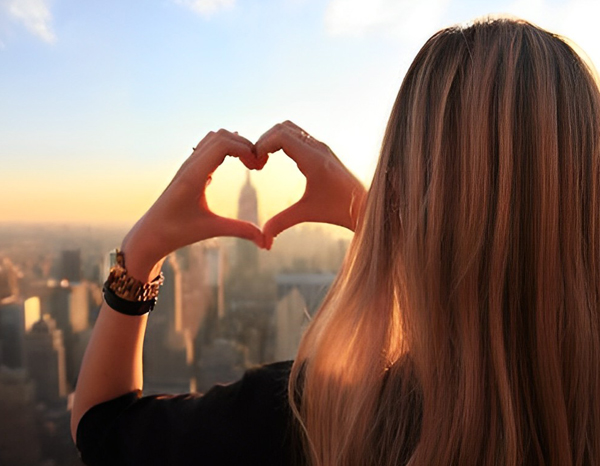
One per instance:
[(254, 163), (250, 160), (293, 215), (239, 229), (203, 142), (261, 160), (224, 142), (215, 154), (265, 145), (224, 134), (293, 126), (303, 136), (293, 143), (268, 242), (280, 136)]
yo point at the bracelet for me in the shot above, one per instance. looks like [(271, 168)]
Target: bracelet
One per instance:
[(130, 308), (128, 295)]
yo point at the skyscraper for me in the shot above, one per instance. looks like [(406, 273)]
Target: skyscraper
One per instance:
[(290, 320), (190, 300), (9, 279), (79, 307), (213, 275), (46, 360), (12, 331), (12, 317), (246, 252), (19, 441), (312, 286), (248, 202), (68, 304), (71, 265), (32, 311), (165, 352)]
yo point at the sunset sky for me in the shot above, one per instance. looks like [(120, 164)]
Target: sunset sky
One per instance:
[(102, 100)]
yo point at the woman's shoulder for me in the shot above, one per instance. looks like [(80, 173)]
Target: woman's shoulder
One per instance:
[(235, 423), (261, 392), (276, 372)]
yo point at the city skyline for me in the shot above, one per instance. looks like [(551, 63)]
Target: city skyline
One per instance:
[(225, 306)]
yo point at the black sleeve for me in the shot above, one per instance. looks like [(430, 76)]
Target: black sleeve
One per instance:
[(248, 422)]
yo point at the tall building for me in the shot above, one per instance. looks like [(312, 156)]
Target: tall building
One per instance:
[(9, 279), (109, 260), (246, 261), (46, 360), (12, 317), (71, 265), (19, 442), (248, 202), (55, 300), (5, 286), (312, 287), (12, 332), (32, 312), (68, 303), (186, 316), (79, 307), (213, 275), (202, 288), (291, 317), (247, 320), (299, 295), (165, 346)]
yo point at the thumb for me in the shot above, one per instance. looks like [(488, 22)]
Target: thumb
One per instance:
[(240, 229), (293, 215)]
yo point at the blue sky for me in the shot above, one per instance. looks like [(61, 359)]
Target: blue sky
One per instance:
[(102, 100)]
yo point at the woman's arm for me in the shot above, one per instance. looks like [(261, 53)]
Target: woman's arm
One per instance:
[(112, 365)]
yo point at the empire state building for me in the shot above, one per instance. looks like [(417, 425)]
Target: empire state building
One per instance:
[(247, 252), (248, 202)]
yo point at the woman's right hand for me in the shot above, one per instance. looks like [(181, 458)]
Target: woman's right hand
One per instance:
[(332, 195)]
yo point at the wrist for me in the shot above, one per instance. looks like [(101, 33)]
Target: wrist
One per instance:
[(128, 295), (140, 260)]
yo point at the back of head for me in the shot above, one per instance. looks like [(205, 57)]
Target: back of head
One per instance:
[(464, 327)]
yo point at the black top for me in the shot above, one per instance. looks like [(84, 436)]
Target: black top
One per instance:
[(246, 423)]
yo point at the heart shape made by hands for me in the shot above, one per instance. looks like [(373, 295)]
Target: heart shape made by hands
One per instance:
[(331, 195), (255, 195)]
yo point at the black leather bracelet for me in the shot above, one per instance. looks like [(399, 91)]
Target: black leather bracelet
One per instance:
[(130, 308)]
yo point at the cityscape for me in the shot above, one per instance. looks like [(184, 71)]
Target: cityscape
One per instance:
[(225, 307), (101, 104)]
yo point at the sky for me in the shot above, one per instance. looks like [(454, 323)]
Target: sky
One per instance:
[(101, 101)]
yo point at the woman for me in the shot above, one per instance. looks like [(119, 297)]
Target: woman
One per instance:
[(464, 325)]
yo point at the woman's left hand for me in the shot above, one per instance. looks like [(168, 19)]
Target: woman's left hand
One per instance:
[(181, 215), (112, 365)]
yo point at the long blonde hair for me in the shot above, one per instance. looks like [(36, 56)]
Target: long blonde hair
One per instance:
[(464, 325)]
